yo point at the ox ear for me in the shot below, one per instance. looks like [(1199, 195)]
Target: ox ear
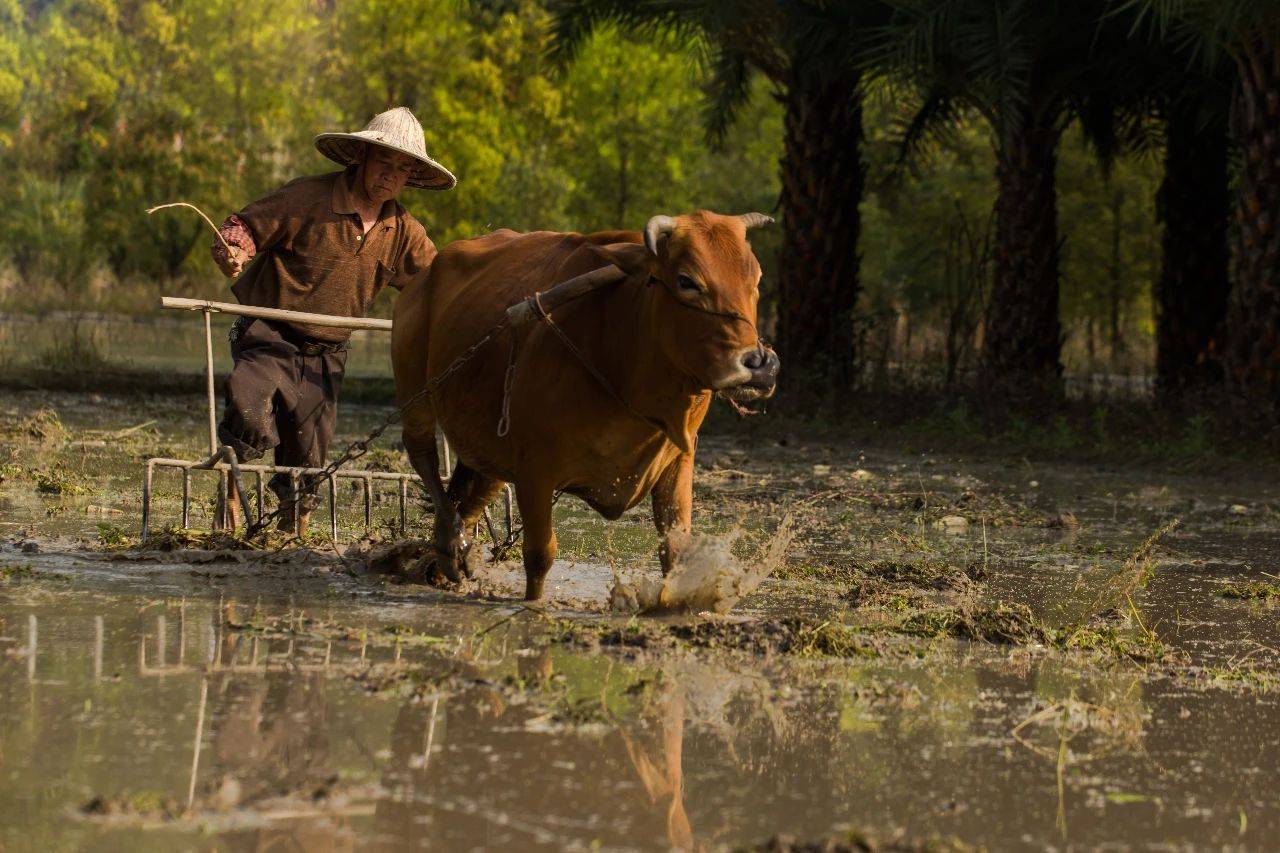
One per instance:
[(631, 258)]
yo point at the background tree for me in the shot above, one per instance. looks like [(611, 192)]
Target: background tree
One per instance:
[(1160, 105), (1247, 33), (799, 47), (1193, 206), (1028, 68)]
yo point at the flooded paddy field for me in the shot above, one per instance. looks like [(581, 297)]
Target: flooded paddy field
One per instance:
[(951, 653)]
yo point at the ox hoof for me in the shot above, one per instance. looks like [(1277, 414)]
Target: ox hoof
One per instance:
[(533, 588), (472, 561), (436, 568), (452, 562)]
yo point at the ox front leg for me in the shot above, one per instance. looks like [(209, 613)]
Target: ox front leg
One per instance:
[(673, 508), (539, 537), (447, 537)]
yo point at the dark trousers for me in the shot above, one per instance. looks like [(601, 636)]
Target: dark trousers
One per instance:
[(283, 394)]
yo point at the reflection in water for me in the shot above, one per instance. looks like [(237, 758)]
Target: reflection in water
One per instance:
[(271, 741), (478, 729), (663, 776)]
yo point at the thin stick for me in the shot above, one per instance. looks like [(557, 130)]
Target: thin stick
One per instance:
[(202, 216)]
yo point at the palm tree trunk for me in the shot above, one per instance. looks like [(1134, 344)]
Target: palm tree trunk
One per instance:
[(1253, 316), (822, 185), (1023, 339), (1191, 293)]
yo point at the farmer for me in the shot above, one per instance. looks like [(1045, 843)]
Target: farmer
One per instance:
[(326, 245)]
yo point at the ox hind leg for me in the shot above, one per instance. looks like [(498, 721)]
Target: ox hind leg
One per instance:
[(673, 508), (420, 443)]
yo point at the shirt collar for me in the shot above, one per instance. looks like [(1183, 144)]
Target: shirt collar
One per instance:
[(343, 194)]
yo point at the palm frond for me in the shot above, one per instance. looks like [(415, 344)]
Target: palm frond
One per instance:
[(573, 21), (728, 88)]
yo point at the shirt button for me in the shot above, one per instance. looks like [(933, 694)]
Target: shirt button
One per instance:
[(359, 236)]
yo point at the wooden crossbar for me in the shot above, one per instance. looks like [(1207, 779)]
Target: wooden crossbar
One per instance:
[(184, 304)]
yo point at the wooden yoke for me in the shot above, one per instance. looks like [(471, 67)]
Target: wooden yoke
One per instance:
[(563, 293)]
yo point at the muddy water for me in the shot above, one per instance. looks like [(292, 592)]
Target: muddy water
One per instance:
[(233, 703), (133, 689)]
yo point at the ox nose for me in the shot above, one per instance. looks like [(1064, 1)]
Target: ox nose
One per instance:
[(763, 364)]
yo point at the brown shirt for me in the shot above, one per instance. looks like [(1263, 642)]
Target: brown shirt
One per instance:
[(310, 254)]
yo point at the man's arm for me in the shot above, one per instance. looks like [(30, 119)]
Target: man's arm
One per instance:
[(419, 252), (260, 226)]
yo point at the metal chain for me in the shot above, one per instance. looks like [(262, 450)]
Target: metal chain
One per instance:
[(504, 421), (360, 447)]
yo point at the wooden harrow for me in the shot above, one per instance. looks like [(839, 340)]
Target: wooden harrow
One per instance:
[(222, 459)]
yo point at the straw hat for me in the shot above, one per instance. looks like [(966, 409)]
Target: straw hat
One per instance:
[(398, 130)]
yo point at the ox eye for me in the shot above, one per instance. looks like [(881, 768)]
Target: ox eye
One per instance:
[(688, 284)]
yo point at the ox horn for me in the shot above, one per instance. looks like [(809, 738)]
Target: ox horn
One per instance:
[(755, 220), (655, 228)]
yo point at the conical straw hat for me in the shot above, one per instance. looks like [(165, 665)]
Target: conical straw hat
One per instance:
[(398, 130)]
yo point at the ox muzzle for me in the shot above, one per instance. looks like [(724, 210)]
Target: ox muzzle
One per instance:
[(759, 368)]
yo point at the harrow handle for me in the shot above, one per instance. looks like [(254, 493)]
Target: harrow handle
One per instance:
[(527, 310)]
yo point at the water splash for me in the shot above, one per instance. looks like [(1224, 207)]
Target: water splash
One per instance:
[(705, 575)]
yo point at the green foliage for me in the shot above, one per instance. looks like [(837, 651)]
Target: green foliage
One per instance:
[(128, 104), (110, 106)]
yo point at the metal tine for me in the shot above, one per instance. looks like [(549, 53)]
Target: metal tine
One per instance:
[(367, 484), (295, 489), (333, 507), (260, 494), (147, 475), (508, 498), (295, 479), (404, 500), (221, 512)]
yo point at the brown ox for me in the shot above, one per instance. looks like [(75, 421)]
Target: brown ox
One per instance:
[(679, 327)]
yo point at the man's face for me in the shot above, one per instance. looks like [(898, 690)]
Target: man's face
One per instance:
[(384, 173)]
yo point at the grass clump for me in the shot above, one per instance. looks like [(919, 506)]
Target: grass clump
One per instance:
[(43, 427), (1005, 623), (407, 635), (829, 639), (1243, 676), (112, 538), (12, 574), (150, 804), (174, 538), (1000, 622), (1142, 647), (1251, 591), (60, 481), (928, 573), (901, 585), (1105, 591)]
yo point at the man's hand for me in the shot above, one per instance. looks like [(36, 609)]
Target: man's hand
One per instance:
[(231, 263), (238, 250)]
